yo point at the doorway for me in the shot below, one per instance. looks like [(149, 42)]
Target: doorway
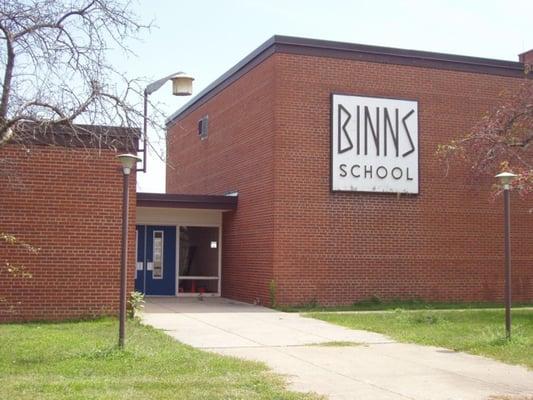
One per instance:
[(156, 260), (178, 260), (199, 260)]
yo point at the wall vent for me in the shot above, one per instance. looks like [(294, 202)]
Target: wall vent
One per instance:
[(203, 125)]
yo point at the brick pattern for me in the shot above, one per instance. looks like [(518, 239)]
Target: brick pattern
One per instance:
[(68, 203), (269, 139), (444, 244), (237, 155)]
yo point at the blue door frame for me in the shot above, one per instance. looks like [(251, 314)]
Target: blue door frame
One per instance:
[(145, 281)]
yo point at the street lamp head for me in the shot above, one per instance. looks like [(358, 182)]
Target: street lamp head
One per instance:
[(505, 179), (181, 84), (128, 161)]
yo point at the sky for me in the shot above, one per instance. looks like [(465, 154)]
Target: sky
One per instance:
[(207, 37)]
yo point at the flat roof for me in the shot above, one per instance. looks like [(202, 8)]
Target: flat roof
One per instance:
[(78, 135), (174, 200), (353, 51)]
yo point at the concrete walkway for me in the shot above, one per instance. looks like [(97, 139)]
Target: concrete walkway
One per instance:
[(376, 369)]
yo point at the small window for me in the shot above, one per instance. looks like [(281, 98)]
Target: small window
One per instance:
[(157, 272), (203, 125)]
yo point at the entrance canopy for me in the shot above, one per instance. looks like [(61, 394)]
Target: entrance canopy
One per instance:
[(198, 201), (179, 243)]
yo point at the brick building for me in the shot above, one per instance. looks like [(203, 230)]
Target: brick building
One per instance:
[(273, 129), (306, 172), (63, 195)]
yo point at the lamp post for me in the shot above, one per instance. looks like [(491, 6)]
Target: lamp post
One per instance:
[(181, 86), (128, 161), (505, 179)]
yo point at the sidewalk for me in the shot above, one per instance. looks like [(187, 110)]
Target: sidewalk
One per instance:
[(375, 368)]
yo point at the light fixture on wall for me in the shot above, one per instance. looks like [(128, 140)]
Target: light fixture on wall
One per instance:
[(128, 162), (181, 86), (505, 179)]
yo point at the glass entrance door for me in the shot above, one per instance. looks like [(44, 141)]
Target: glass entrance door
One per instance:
[(199, 260)]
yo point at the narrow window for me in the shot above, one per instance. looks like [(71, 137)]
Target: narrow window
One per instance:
[(158, 255)]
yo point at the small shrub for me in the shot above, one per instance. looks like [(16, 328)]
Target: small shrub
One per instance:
[(135, 303), (312, 304)]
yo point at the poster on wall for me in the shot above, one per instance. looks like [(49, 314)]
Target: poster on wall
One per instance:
[(374, 144)]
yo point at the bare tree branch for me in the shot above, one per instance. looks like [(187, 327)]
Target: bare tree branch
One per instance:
[(8, 75), (55, 68)]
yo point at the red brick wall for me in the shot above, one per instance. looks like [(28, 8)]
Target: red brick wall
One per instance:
[(269, 139), (237, 155), (67, 202), (444, 244)]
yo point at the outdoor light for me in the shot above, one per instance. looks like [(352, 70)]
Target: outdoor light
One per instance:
[(505, 180), (181, 86), (128, 161)]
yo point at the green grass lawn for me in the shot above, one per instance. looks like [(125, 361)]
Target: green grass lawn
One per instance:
[(479, 332), (79, 360)]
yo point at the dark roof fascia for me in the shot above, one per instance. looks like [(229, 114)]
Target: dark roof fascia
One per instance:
[(246, 64), (198, 201), (79, 136), (352, 51)]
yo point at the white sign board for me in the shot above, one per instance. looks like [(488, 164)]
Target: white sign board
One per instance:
[(374, 144)]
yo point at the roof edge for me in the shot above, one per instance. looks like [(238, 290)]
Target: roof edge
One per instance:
[(361, 52), (72, 135), (176, 200), (226, 75)]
